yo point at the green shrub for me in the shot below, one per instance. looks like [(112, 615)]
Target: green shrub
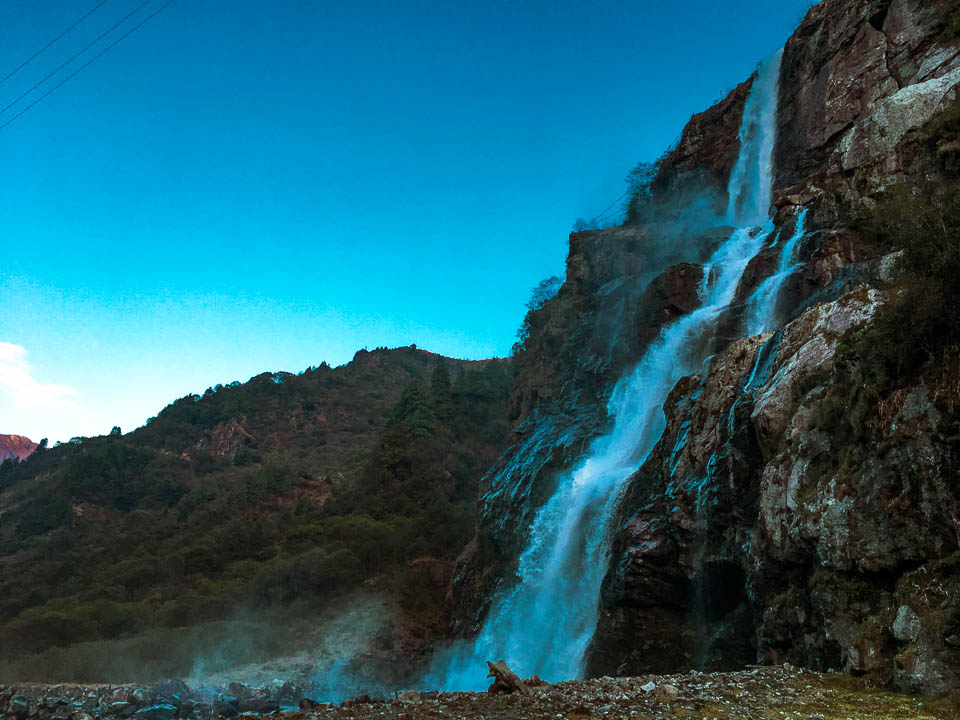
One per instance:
[(913, 337), (917, 331), (953, 20)]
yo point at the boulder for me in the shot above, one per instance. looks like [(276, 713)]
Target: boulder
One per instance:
[(156, 712)]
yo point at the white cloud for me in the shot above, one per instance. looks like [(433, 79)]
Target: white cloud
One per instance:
[(17, 382), (26, 404)]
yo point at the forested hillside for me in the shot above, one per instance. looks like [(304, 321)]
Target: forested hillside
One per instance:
[(285, 492)]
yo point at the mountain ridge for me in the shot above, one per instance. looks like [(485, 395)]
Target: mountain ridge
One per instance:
[(16, 447)]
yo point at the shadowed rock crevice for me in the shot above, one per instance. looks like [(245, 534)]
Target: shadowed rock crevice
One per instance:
[(878, 17), (721, 589)]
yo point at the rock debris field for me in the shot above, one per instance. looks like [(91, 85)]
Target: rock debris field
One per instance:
[(780, 692)]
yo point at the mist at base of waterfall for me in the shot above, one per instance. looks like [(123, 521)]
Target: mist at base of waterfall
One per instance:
[(338, 653)]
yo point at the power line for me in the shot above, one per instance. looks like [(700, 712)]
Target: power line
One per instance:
[(612, 205), (33, 57), (78, 54), (103, 52)]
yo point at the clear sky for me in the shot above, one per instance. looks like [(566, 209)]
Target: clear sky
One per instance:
[(246, 186)]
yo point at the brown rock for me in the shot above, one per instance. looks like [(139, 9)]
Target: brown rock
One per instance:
[(710, 141), (227, 438), (857, 78), (666, 693), (702, 423), (505, 680), (672, 294), (16, 447), (834, 69), (808, 344)]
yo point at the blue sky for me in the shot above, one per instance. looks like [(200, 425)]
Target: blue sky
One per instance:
[(249, 186)]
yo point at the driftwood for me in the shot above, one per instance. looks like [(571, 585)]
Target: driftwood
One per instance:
[(505, 680)]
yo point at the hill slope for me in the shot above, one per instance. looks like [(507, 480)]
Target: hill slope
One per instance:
[(288, 492)]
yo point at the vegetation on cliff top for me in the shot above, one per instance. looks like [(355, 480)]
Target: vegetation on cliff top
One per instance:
[(542, 293)]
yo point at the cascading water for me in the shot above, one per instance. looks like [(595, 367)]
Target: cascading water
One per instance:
[(751, 181), (763, 303), (544, 623)]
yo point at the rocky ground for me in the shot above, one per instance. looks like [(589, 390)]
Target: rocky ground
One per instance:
[(775, 693)]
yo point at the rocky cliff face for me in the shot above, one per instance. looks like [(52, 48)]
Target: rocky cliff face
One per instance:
[(858, 79), (761, 527), (16, 447)]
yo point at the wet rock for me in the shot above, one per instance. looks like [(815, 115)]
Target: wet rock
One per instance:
[(780, 515), (666, 693), (261, 704), (18, 708), (226, 705), (156, 712), (121, 708), (907, 625), (672, 294), (289, 696), (709, 144), (808, 345), (609, 308), (753, 479), (649, 542), (171, 690), (143, 697)]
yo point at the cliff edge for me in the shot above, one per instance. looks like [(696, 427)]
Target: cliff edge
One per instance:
[(798, 507)]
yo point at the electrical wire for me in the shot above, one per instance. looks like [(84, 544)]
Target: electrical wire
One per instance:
[(600, 217), (46, 47), (77, 54), (91, 60)]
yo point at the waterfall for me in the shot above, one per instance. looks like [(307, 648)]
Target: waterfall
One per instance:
[(751, 181), (762, 306), (544, 623)]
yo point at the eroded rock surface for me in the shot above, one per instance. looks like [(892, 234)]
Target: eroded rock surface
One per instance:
[(858, 78), (743, 525)]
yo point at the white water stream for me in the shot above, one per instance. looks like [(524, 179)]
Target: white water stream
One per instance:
[(544, 623), (762, 306)]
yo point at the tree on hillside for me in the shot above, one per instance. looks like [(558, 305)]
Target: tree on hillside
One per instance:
[(543, 292)]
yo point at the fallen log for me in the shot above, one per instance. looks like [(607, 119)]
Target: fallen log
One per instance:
[(505, 680)]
